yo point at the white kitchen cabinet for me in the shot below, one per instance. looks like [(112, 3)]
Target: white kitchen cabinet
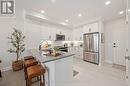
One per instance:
[(90, 28), (81, 52), (48, 33), (78, 34), (59, 72), (74, 35), (64, 71), (78, 51), (68, 36), (52, 35), (71, 50)]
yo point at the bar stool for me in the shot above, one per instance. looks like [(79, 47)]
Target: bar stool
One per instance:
[(35, 71), (27, 63), (31, 62)]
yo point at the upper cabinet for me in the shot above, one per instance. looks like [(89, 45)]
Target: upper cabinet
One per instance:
[(90, 28), (49, 33), (48, 30), (78, 34)]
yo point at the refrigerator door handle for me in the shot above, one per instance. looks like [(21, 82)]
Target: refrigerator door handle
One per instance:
[(127, 57)]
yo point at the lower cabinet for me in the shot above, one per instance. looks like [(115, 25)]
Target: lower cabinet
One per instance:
[(78, 51), (59, 72)]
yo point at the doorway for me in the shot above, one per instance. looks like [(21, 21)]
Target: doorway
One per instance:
[(116, 41), (119, 44)]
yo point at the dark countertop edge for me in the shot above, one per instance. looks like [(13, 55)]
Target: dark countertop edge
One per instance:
[(58, 58)]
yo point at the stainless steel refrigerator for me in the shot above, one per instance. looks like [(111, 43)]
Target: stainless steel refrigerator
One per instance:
[(91, 47)]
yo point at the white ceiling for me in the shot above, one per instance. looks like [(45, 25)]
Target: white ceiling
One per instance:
[(60, 10)]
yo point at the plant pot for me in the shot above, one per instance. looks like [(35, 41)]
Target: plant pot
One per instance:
[(17, 65)]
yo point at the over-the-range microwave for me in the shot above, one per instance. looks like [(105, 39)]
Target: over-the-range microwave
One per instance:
[(60, 37)]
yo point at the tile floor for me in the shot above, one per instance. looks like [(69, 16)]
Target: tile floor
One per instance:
[(89, 75), (93, 75)]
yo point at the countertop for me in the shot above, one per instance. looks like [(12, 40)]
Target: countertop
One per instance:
[(43, 59)]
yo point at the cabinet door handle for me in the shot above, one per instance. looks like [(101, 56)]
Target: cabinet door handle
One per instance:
[(49, 37), (115, 46)]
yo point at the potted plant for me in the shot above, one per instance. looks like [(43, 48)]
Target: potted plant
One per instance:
[(18, 46)]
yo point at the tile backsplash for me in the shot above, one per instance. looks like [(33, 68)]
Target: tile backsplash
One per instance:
[(65, 43)]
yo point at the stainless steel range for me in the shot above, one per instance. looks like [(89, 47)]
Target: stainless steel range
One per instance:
[(91, 47)]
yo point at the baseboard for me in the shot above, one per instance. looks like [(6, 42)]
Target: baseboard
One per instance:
[(6, 69), (108, 61)]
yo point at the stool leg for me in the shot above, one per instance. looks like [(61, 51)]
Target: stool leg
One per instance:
[(25, 74), (0, 74), (43, 80), (29, 82), (37, 78), (26, 82), (42, 83)]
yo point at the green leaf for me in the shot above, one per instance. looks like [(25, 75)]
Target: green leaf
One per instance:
[(17, 41)]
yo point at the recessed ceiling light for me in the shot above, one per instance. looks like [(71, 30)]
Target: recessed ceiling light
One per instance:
[(42, 17), (79, 14), (107, 2), (63, 23), (128, 10), (66, 20), (42, 11), (121, 12), (53, 1)]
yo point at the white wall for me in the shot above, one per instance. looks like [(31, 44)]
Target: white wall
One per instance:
[(6, 25), (111, 27)]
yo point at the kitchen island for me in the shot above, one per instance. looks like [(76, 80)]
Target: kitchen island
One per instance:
[(59, 69)]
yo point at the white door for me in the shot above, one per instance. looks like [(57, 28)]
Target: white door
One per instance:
[(119, 43), (128, 54), (128, 60)]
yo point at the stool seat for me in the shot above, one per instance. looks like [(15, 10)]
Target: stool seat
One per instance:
[(29, 57), (34, 71), (30, 62)]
